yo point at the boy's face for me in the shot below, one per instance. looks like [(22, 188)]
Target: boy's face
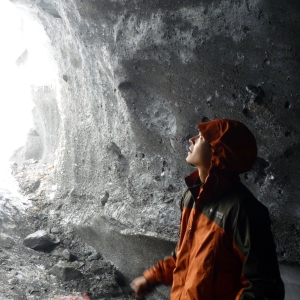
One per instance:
[(199, 153)]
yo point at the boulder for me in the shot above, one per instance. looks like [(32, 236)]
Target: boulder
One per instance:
[(41, 240), (65, 271)]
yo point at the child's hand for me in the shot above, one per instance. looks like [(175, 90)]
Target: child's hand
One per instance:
[(140, 286)]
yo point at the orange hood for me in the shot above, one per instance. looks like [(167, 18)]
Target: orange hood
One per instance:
[(232, 143), (233, 152)]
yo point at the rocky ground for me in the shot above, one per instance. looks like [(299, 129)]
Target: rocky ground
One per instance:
[(60, 265)]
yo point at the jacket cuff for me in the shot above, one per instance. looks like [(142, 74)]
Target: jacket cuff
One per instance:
[(150, 278)]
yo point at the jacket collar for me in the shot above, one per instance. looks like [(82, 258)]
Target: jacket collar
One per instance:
[(193, 183), (217, 183)]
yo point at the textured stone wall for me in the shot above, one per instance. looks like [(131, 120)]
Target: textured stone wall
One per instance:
[(135, 79)]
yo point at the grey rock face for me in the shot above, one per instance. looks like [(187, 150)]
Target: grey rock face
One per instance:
[(40, 240), (134, 79), (65, 271)]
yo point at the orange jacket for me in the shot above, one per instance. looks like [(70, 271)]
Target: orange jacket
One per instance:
[(226, 249)]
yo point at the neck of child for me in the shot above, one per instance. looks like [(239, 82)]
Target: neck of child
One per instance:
[(203, 173)]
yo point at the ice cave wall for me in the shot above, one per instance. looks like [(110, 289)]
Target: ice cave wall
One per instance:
[(135, 77)]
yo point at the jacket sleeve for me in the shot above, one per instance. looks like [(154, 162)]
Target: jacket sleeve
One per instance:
[(162, 272), (254, 244)]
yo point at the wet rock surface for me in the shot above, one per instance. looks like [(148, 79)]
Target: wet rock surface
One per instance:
[(50, 270)]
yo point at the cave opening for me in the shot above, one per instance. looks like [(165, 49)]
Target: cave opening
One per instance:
[(27, 65)]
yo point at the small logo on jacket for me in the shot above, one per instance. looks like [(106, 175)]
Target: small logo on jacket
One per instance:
[(218, 214)]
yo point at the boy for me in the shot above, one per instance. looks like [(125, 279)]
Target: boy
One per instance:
[(226, 249)]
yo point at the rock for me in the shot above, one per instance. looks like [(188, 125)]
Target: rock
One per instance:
[(40, 240), (47, 265), (13, 281), (109, 288), (56, 253), (95, 256), (69, 256), (65, 271), (78, 264), (33, 187), (42, 217), (32, 290), (55, 230), (105, 198), (99, 267), (6, 241)]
